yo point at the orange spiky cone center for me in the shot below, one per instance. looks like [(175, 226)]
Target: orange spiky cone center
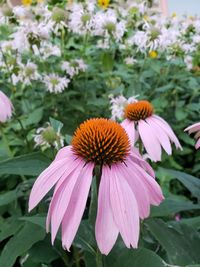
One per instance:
[(101, 141), (139, 110)]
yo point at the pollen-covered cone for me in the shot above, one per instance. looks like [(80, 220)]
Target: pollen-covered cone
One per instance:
[(155, 132), (5, 107), (127, 185), (195, 128)]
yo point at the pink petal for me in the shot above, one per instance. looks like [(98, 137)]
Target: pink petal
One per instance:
[(137, 158), (149, 140), (162, 123), (60, 200), (5, 107), (160, 134), (105, 228), (124, 207), (197, 144), (49, 177), (138, 188), (74, 213), (193, 128), (63, 152), (129, 127), (155, 192)]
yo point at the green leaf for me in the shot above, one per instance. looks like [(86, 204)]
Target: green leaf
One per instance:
[(107, 61), (85, 237), (181, 243), (9, 228), (10, 196), (33, 117), (57, 125), (20, 243), (134, 258), (38, 220), (31, 164), (171, 206), (190, 182), (194, 222), (43, 252)]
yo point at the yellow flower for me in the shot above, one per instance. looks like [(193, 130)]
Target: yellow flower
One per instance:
[(153, 54), (146, 18), (174, 15), (26, 2), (103, 3)]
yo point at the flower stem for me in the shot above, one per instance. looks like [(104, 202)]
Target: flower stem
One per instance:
[(99, 258), (6, 143)]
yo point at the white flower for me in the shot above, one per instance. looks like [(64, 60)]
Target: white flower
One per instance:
[(80, 19), (55, 83), (74, 67), (106, 24), (118, 104), (27, 73), (46, 137), (47, 50), (188, 61), (130, 60)]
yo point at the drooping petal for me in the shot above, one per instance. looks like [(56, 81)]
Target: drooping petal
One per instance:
[(197, 144), (60, 200), (5, 107), (149, 140), (160, 134), (129, 127), (155, 192), (105, 229), (137, 158), (138, 188), (76, 206), (165, 126), (193, 128), (63, 152), (49, 177), (124, 207)]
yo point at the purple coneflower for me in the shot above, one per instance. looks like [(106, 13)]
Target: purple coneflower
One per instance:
[(127, 185)]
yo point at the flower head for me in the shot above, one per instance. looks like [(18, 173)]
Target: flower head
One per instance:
[(118, 105), (5, 107), (55, 83), (103, 3), (127, 185), (152, 129), (47, 137), (192, 129), (27, 2), (153, 54)]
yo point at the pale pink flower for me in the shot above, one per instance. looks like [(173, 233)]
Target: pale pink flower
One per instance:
[(155, 132), (5, 107), (192, 129), (127, 185)]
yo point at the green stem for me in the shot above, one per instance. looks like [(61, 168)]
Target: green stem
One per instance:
[(6, 143), (99, 259)]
